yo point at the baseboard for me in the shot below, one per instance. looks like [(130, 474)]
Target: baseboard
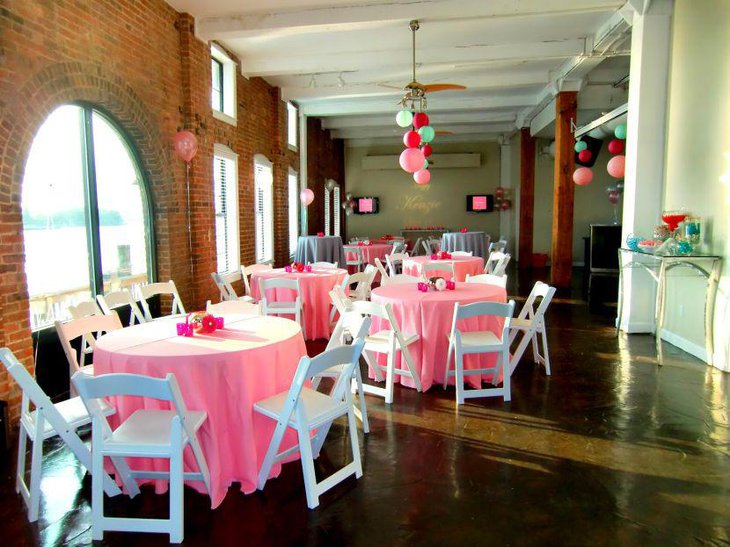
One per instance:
[(682, 343), (638, 328)]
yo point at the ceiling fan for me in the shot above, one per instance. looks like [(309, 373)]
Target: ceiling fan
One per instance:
[(416, 91)]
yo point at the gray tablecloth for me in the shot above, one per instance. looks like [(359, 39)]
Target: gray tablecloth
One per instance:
[(320, 249), (476, 242)]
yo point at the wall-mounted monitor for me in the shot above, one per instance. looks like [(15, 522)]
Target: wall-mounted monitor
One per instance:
[(480, 203), (366, 205)]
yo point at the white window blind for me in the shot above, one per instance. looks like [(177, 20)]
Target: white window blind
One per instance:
[(336, 209), (327, 213), (225, 194), (264, 205), (291, 123), (293, 212)]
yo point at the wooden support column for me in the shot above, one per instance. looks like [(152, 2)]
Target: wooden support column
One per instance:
[(561, 258), (527, 197)]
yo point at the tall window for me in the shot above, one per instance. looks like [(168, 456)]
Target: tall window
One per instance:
[(225, 192), (223, 85), (264, 208), (327, 212), (86, 213), (336, 209), (293, 211), (292, 113)]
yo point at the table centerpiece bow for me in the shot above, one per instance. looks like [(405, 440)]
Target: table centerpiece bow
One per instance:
[(436, 283), (297, 267), (441, 255), (199, 322)]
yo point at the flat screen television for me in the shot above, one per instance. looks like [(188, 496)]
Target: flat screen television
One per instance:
[(480, 203), (366, 205)]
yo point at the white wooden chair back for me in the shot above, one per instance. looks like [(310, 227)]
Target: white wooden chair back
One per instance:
[(439, 267), (246, 271), (379, 266), (359, 284), (233, 306), (280, 306), (497, 262), (117, 299), (161, 288), (359, 260), (177, 429), (86, 308), (399, 278), (488, 279), (399, 246), (394, 260), (531, 323), (461, 253), (417, 247), (340, 301), (46, 421), (498, 246), (224, 282), (324, 265)]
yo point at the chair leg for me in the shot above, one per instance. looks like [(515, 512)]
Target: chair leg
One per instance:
[(406, 356), (535, 349), (22, 447), (546, 355), (390, 377), (353, 439), (459, 381), (36, 464), (372, 362), (506, 378), (271, 453), (517, 355), (363, 406), (97, 489), (176, 492), (448, 363), (310, 479)]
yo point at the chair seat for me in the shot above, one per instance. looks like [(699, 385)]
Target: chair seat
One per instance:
[(382, 339), (318, 407), (480, 339), (73, 411), (281, 306), (521, 324), (148, 431)]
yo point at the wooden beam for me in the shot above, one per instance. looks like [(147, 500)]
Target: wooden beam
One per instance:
[(562, 234), (527, 197)]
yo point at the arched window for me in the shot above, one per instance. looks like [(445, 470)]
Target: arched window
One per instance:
[(86, 213)]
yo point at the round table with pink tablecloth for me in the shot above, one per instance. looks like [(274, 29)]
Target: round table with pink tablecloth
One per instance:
[(430, 315), (369, 252), (314, 287), (463, 266), (222, 373)]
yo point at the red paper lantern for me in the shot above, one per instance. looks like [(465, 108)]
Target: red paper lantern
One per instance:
[(426, 149), (616, 146), (420, 119), (412, 139), (584, 156)]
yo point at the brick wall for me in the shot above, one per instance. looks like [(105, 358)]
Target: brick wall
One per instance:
[(140, 62), (325, 160)]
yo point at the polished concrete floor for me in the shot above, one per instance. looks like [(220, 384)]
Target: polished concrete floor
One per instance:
[(610, 450)]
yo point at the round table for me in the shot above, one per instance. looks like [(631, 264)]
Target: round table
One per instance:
[(320, 249), (430, 315), (223, 373), (369, 252), (314, 287), (463, 266), (474, 242)]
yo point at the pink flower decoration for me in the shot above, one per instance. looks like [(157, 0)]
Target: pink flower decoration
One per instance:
[(207, 324), (423, 287), (320, 234), (287, 268), (308, 268), (450, 285), (434, 256), (464, 230)]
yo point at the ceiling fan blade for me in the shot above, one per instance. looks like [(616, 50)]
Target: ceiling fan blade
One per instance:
[(430, 88), (389, 86)]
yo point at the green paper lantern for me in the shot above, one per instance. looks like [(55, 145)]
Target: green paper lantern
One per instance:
[(620, 131), (404, 118), (427, 133), (580, 146)]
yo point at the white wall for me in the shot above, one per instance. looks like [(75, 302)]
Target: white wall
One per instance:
[(698, 158)]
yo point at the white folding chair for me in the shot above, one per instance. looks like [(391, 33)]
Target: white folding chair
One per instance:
[(45, 422), (224, 282), (439, 267), (117, 299), (497, 262), (394, 261), (417, 247), (279, 307), (324, 265), (233, 306), (488, 279), (246, 272), (379, 266), (162, 288), (85, 327), (307, 410), (358, 261), (461, 253), (147, 433), (85, 308), (399, 278), (358, 285), (531, 323), (471, 342), (498, 246), (399, 246), (388, 341)]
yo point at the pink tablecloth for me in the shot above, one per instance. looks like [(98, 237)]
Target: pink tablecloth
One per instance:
[(224, 374), (370, 252), (315, 287), (463, 266), (430, 315)]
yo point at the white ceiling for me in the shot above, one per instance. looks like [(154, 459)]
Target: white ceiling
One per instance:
[(346, 62)]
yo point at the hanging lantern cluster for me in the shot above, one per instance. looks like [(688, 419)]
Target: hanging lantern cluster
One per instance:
[(502, 199), (617, 164), (583, 175), (416, 140), (349, 204)]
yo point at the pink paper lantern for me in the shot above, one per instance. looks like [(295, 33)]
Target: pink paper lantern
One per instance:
[(420, 120), (411, 160), (412, 139), (583, 176), (422, 176), (307, 196), (617, 166), (186, 145)]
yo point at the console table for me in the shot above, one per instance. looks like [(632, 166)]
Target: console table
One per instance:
[(707, 266)]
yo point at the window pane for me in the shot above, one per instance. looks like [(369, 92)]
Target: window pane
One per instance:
[(122, 207), (293, 212), (291, 118), (55, 235), (264, 209), (217, 85)]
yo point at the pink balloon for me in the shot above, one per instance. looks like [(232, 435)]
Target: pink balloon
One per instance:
[(617, 166), (307, 196), (422, 176), (613, 197), (411, 139), (582, 176), (186, 145), (411, 160)]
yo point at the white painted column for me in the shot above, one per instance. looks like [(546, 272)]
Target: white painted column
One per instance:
[(506, 224), (303, 228), (645, 151)]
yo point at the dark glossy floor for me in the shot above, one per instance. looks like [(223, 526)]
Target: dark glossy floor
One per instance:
[(610, 450)]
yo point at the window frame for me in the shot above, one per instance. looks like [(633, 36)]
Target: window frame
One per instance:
[(217, 67), (228, 85), (292, 125), (267, 212), (231, 200)]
